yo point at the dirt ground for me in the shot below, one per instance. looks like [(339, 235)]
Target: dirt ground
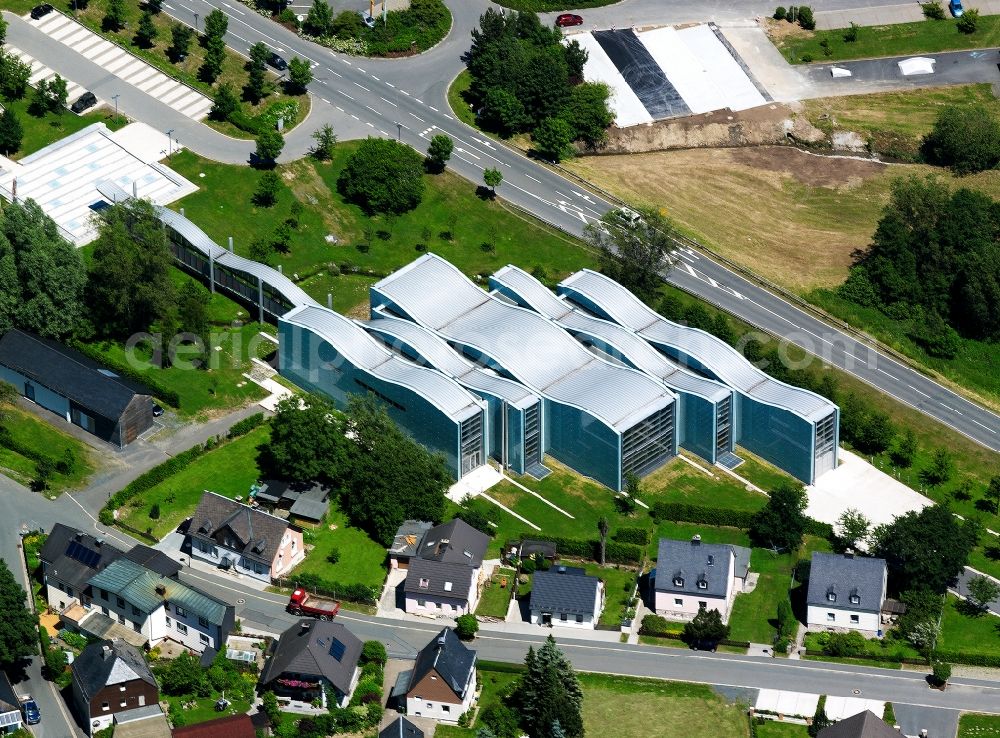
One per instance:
[(794, 217)]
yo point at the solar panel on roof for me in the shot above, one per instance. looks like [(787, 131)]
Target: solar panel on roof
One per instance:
[(337, 649), (84, 555)]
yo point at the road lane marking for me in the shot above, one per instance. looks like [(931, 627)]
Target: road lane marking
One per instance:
[(533, 178), (345, 94), (919, 392), (358, 84), (418, 117), (389, 101)]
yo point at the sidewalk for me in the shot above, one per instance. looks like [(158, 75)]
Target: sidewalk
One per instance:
[(886, 15)]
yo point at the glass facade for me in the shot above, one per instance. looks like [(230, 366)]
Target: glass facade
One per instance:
[(584, 443), (649, 444)]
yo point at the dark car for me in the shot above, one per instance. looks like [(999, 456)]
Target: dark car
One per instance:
[(40, 10), (569, 19), (277, 62), (32, 715), (86, 100), (157, 410)]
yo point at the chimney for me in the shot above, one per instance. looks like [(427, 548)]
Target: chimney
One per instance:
[(78, 536), (696, 539), (849, 553), (161, 590), (305, 625), (106, 652), (441, 641), (98, 542)]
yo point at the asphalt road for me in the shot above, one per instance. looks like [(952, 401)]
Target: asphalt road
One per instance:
[(951, 68)]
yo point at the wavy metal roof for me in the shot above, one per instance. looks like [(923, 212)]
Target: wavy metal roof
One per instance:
[(532, 348), (636, 350), (363, 351), (718, 356), (436, 352), (200, 240)]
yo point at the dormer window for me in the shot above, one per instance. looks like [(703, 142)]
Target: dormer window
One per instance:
[(855, 599), (447, 586), (702, 584), (678, 581), (711, 560), (425, 583), (831, 596)]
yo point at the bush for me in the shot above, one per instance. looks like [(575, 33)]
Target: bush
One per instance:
[(780, 13), (932, 10), (466, 627), (242, 427), (851, 644), (615, 552), (806, 19), (965, 138), (655, 625), (353, 592), (969, 21), (638, 536), (334, 556), (941, 673), (154, 511), (383, 176)]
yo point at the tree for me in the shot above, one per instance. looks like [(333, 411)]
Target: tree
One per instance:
[(852, 526), (634, 252), (969, 21), (501, 721), (552, 138), (319, 19), (587, 112), (180, 42), (965, 138), (129, 284), (154, 511), (941, 469), (492, 177), (550, 692), (992, 494), (146, 33), (466, 626), (115, 15), (602, 528), (154, 6), (269, 704), (905, 450), (982, 591), (216, 25), (373, 652), (11, 132), (782, 521), (192, 310), (932, 10), (307, 442), (502, 112), (183, 675), (46, 294), (14, 76), (226, 102), (18, 637), (261, 250), (270, 142), (706, 629), (3, 30), (941, 673), (851, 34), (806, 19), (215, 55), (937, 337), (299, 76), (325, 139), (820, 720), (439, 152), (926, 549), (383, 176), (268, 187), (477, 519), (389, 477), (919, 624), (256, 86), (787, 624)]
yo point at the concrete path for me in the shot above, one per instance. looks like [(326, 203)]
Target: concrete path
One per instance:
[(880, 15), (961, 588)]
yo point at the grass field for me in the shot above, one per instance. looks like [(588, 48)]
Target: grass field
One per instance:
[(495, 599), (968, 633), (902, 39), (204, 707), (361, 559), (350, 291), (228, 470), (974, 725), (33, 433), (774, 729), (876, 650)]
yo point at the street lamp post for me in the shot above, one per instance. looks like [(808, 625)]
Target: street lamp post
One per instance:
[(399, 131), (195, 21), (169, 143), (115, 98)]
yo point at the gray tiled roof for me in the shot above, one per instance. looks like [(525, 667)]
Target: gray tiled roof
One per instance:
[(553, 591), (153, 560), (107, 663), (693, 561), (309, 647), (401, 728), (450, 658), (8, 697), (444, 579), (454, 542), (259, 533), (73, 556), (863, 725), (846, 577)]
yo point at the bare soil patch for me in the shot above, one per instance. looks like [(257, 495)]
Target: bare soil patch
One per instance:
[(808, 169)]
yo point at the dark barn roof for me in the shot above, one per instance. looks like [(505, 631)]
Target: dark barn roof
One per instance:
[(73, 556), (68, 372), (570, 591), (316, 647), (153, 560), (863, 725), (846, 577), (259, 533), (109, 662)]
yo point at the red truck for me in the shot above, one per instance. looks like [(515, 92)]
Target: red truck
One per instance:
[(302, 603)]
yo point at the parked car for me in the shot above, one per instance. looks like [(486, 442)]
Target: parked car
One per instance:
[(32, 715), (86, 100), (277, 62), (628, 217), (955, 6), (40, 10), (157, 410), (567, 20), (367, 19)]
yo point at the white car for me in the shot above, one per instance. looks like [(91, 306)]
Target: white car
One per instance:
[(628, 217)]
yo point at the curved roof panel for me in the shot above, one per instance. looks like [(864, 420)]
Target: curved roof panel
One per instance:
[(363, 351), (530, 347), (715, 354), (636, 350)]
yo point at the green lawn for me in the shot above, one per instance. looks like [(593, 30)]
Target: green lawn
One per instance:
[(204, 707), (877, 650), (228, 470), (361, 559), (495, 600), (759, 472), (902, 39), (45, 436), (40, 131), (619, 584), (350, 291), (969, 634), (451, 221), (774, 729), (974, 725), (456, 98)]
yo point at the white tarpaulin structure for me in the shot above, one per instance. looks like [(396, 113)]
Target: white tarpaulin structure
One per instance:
[(789, 704), (736, 89), (841, 708), (917, 65), (840, 72)]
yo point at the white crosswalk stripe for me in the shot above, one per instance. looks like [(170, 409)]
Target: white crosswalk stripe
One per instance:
[(122, 64), (39, 72)]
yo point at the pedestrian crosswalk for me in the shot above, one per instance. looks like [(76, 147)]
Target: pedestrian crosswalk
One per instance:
[(41, 72), (124, 65)]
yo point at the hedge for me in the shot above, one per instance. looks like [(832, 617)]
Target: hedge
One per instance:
[(614, 552), (361, 593), (160, 390), (242, 427), (969, 659), (674, 636), (889, 658), (688, 513), (638, 536)]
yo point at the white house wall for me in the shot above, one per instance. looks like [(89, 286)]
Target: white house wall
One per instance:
[(445, 712), (820, 617), (239, 563)]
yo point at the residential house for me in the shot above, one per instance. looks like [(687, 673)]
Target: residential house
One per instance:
[(159, 608), (69, 559), (446, 575), (233, 726), (11, 718), (74, 387), (401, 728), (692, 574), (407, 542), (311, 659), (306, 503), (443, 681), (249, 541), (845, 591), (109, 678), (863, 725), (566, 596)]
